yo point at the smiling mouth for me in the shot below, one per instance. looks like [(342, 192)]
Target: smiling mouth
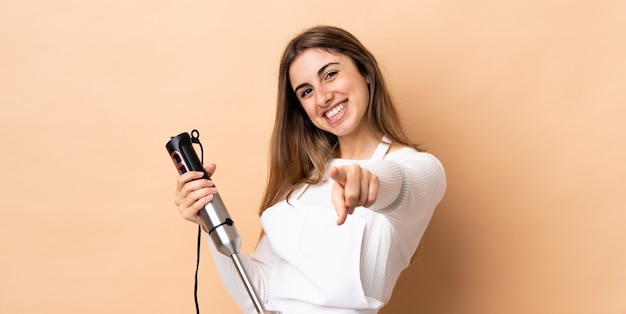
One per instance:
[(330, 114)]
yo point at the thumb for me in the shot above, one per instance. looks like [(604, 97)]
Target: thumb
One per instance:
[(210, 169), (338, 175)]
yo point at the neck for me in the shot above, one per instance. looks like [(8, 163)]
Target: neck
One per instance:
[(359, 146)]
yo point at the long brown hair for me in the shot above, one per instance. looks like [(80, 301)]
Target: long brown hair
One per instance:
[(299, 151)]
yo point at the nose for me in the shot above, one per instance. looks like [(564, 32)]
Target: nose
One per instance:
[(324, 97)]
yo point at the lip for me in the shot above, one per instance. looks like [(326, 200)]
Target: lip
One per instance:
[(339, 115)]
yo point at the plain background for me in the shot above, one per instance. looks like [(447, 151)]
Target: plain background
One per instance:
[(522, 101)]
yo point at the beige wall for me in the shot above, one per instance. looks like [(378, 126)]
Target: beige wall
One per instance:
[(523, 101)]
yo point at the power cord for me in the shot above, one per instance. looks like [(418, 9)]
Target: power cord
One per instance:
[(195, 139)]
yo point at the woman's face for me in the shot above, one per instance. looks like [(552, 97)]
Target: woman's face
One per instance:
[(331, 90)]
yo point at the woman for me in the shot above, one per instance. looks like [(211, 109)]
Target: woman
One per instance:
[(348, 196)]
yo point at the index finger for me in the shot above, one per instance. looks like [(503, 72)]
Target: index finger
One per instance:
[(187, 177), (339, 202)]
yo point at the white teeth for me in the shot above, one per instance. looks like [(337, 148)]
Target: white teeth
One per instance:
[(335, 111)]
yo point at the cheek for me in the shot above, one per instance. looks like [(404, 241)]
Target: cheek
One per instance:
[(309, 107)]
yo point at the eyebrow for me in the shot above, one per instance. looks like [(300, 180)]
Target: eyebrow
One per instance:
[(319, 72)]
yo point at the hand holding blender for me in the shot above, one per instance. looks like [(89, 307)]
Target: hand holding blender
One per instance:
[(215, 216)]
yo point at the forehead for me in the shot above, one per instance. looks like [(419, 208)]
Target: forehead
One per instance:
[(306, 65)]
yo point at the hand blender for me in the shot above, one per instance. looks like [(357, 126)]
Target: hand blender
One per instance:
[(220, 226)]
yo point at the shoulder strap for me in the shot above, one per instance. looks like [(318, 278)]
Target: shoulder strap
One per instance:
[(382, 149)]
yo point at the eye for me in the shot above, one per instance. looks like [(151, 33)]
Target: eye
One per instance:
[(330, 75), (305, 92)]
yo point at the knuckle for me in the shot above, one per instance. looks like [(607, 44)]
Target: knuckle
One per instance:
[(355, 169), (351, 198), (182, 179), (187, 214)]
